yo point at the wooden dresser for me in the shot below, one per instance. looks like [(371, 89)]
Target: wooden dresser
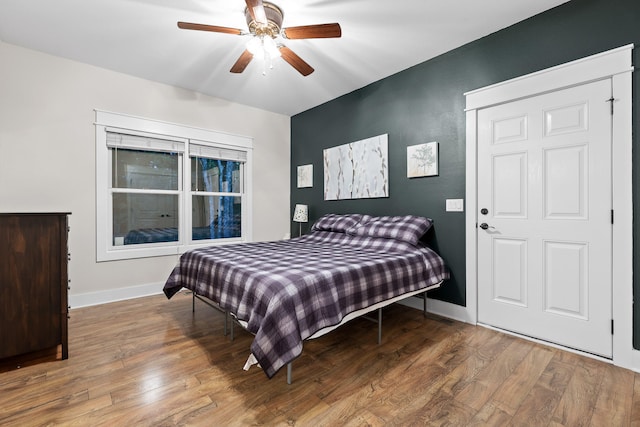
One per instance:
[(33, 282)]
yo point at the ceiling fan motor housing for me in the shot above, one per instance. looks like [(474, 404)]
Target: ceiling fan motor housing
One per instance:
[(274, 21)]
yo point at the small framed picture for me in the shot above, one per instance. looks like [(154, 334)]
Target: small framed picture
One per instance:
[(305, 176), (422, 160)]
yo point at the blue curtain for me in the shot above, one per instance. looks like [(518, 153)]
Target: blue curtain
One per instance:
[(221, 214), (225, 211)]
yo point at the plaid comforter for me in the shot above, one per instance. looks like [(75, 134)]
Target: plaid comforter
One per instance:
[(167, 234), (287, 290)]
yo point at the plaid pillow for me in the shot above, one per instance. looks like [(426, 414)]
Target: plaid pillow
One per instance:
[(373, 243), (408, 228), (339, 223)]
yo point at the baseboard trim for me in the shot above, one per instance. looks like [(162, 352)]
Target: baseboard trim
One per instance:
[(635, 361), (112, 295)]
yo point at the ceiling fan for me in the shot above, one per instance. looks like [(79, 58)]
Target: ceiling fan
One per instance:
[(264, 20)]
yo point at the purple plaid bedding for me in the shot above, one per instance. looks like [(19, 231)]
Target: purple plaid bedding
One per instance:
[(288, 290), (151, 235)]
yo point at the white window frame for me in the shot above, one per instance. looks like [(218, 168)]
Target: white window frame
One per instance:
[(109, 121)]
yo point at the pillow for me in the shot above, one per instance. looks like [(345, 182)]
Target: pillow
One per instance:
[(339, 223), (408, 228)]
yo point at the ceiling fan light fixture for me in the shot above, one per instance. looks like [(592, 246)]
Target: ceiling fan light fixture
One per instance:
[(255, 46), (263, 47), (270, 47)]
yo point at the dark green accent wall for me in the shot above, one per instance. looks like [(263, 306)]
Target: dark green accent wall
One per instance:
[(426, 103)]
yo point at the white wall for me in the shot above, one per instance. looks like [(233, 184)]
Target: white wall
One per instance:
[(47, 156)]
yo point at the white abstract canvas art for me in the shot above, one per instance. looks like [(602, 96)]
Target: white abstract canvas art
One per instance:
[(358, 170)]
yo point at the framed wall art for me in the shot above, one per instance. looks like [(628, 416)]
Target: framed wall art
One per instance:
[(422, 160), (357, 170), (305, 176)]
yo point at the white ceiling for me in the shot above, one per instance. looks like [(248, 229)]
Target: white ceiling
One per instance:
[(140, 38)]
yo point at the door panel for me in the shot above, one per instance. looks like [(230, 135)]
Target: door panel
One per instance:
[(510, 271), (566, 182), (510, 185), (566, 279), (510, 129), (563, 120), (544, 252)]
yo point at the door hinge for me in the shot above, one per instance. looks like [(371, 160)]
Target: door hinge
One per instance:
[(611, 326), (611, 216), (611, 101)]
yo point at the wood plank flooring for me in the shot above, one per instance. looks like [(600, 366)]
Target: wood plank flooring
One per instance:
[(152, 362)]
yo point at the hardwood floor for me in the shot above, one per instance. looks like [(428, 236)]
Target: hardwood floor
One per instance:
[(153, 362)]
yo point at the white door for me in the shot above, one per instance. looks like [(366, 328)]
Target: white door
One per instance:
[(152, 211), (544, 216)]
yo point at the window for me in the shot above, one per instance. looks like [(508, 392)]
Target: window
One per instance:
[(216, 192), (150, 174)]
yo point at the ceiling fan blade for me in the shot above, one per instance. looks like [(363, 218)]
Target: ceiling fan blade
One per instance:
[(256, 9), (320, 31), (212, 28), (242, 62), (295, 61)]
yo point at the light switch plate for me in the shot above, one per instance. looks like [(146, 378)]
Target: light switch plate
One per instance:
[(455, 205)]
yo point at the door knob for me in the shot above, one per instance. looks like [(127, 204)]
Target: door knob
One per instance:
[(485, 226)]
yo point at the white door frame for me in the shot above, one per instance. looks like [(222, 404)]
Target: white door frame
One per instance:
[(614, 64)]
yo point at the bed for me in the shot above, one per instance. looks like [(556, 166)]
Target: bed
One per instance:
[(287, 291), (170, 234)]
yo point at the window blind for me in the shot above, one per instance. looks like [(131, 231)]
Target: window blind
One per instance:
[(201, 150), (141, 142)]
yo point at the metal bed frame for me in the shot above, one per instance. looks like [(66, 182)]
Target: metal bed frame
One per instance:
[(229, 318)]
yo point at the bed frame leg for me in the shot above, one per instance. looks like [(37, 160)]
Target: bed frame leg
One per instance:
[(193, 302), (289, 373), (230, 326), (424, 304), (226, 323), (379, 326)]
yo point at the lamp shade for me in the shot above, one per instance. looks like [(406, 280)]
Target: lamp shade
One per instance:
[(301, 213)]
